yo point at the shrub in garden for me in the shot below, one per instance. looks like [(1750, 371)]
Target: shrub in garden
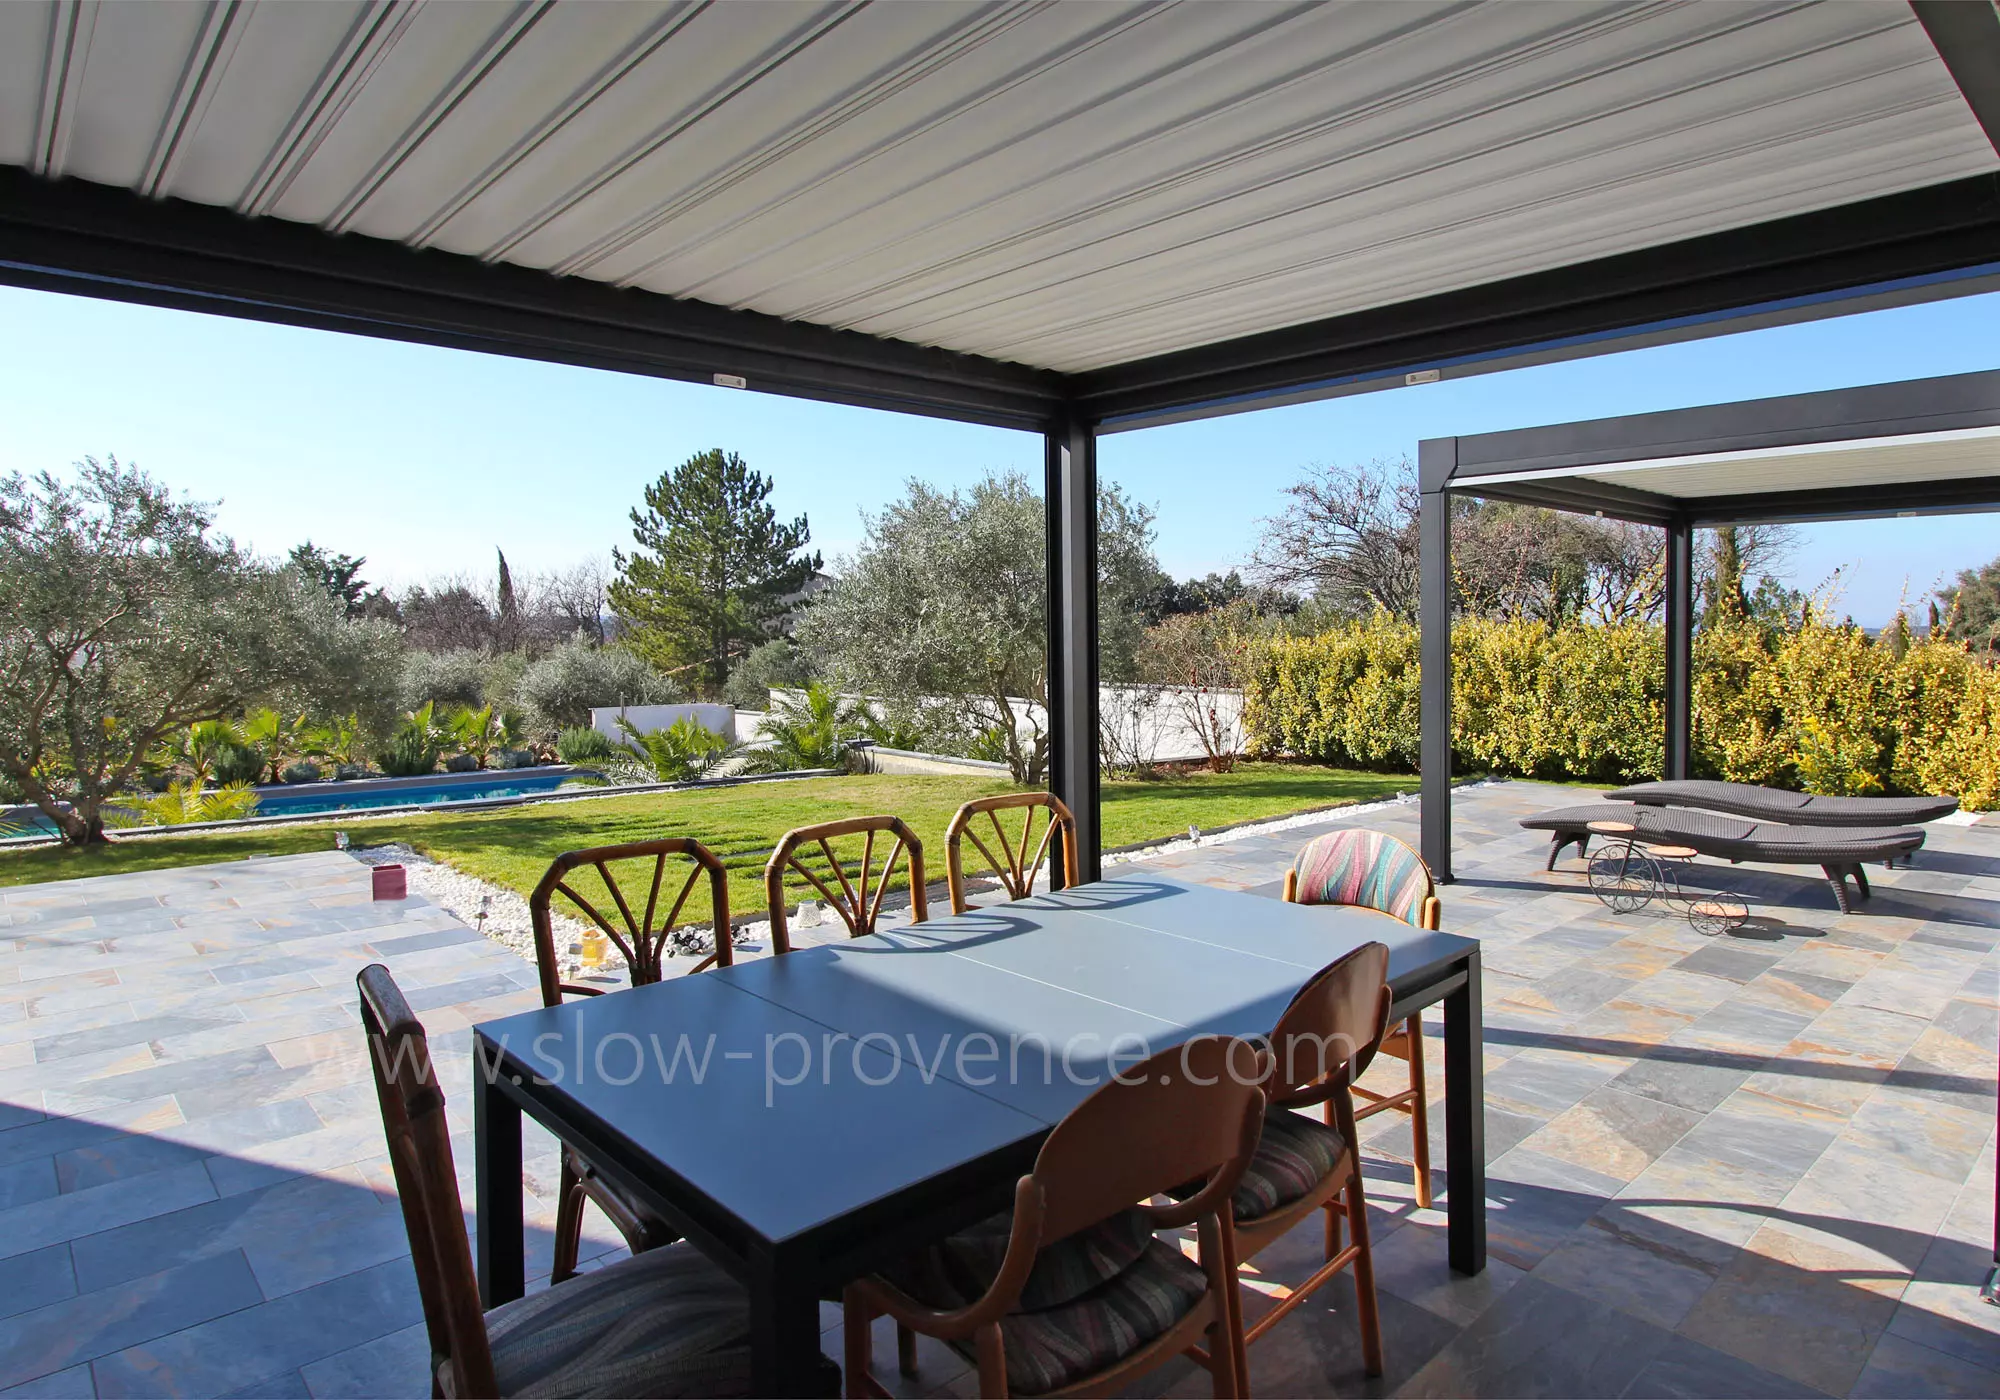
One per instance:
[(1819, 707), (443, 678), (583, 744), (558, 692), (683, 752), (187, 802), (413, 749)]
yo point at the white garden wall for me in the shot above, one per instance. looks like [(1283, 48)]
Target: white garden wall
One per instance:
[(720, 719)]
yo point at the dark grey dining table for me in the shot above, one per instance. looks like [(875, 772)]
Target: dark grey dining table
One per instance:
[(805, 1119)]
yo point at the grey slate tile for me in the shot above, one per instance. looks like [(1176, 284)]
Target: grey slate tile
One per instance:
[(1684, 1083), (1538, 1339), (397, 1365), (116, 1159), (295, 1234), (27, 1181), (89, 1325), (72, 1384), (70, 1043), (237, 1350), (1686, 1368), (103, 1207), (36, 1279)]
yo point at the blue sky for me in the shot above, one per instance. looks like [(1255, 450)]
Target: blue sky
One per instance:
[(426, 460)]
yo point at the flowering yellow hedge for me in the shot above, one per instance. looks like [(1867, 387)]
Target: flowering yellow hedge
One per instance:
[(1822, 708)]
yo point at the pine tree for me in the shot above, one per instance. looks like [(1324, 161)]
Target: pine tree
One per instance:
[(715, 571)]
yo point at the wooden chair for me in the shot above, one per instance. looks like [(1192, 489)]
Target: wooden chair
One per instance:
[(1374, 870), (853, 903), (1028, 1296), (1017, 871), (576, 1338), (643, 940), (1322, 1043)]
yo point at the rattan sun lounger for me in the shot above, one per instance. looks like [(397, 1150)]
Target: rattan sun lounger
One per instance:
[(1792, 808), (1838, 853)]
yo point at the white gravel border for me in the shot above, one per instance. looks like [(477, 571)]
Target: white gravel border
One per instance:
[(502, 915), (499, 913), (1247, 830)]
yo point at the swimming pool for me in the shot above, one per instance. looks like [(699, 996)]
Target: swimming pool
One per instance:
[(327, 799), (320, 798)]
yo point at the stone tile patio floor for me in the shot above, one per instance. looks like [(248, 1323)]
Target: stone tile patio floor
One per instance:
[(1760, 1164)]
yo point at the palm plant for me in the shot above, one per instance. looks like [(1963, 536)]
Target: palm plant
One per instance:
[(584, 745), (808, 732), (186, 802), (282, 744), (683, 752), (481, 733), (206, 744), (414, 748), (338, 741)]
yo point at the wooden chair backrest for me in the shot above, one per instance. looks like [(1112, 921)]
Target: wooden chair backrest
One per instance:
[(640, 937), (1368, 869), (1190, 1113), (1332, 1028), (426, 1182), (852, 902), (1017, 865)]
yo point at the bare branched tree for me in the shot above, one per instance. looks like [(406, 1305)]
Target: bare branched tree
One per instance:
[(1348, 536), (573, 600)]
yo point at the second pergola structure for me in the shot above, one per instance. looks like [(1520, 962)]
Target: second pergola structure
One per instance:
[(1916, 447)]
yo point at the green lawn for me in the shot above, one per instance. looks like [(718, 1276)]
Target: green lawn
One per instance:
[(741, 824)]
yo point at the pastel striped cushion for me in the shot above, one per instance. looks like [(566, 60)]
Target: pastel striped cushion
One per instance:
[(1294, 1155), (1057, 1347), (1366, 868), (665, 1323)]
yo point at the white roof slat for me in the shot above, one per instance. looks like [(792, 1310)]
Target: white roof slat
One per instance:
[(24, 51), (1072, 185), (1958, 455)]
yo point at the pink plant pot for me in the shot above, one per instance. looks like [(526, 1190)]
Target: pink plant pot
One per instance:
[(391, 882)]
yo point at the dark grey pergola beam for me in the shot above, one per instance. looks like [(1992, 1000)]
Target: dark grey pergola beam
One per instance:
[(1921, 245), (1539, 466), (1966, 35), (1070, 496), (87, 239)]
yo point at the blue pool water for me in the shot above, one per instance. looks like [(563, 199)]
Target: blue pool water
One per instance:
[(320, 799), (330, 798)]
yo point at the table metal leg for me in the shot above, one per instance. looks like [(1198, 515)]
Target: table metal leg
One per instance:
[(496, 1127), (784, 1334), (1465, 1122)]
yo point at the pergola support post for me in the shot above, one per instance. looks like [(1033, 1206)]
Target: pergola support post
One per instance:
[(1070, 493), (1680, 647), (1435, 463)]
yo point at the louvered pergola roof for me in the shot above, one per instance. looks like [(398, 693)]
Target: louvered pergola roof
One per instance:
[(995, 211)]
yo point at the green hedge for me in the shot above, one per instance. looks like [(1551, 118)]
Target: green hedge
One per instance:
[(1822, 708)]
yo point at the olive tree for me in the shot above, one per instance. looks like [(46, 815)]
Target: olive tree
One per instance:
[(947, 599), (124, 619)]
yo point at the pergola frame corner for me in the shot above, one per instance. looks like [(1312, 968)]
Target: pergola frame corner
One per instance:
[(1562, 466)]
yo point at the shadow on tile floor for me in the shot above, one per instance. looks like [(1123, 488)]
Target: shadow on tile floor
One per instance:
[(140, 1264)]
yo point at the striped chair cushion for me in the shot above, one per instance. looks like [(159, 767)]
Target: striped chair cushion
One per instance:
[(1367, 868), (1294, 1155), (957, 1270), (1057, 1347), (666, 1323)]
